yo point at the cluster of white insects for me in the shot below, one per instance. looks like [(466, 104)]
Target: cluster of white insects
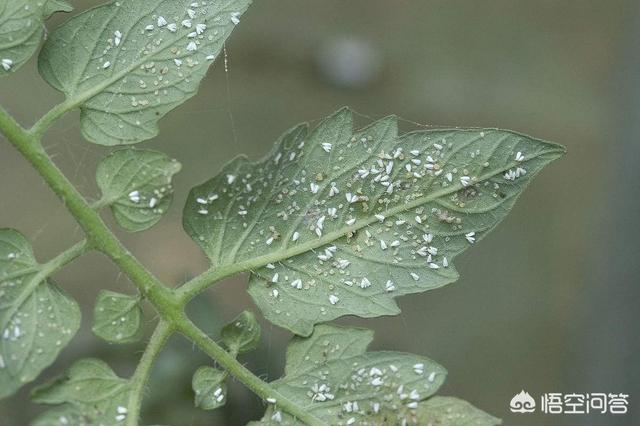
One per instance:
[(382, 383), (196, 29), (337, 217), (317, 190), (393, 388)]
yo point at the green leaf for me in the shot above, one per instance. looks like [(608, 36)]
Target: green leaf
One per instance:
[(327, 343), (337, 222), (209, 388), (117, 317), (339, 383), (22, 28), (137, 186), (90, 390), (87, 382), (63, 415), (450, 411), (37, 319), (52, 6), (128, 63), (242, 334)]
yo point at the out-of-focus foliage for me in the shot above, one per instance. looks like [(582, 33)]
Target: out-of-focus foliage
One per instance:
[(37, 319), (117, 317), (23, 29)]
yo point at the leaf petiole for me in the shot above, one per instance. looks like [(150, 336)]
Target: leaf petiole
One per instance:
[(141, 376)]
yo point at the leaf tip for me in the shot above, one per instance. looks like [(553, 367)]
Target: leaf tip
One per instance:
[(345, 113)]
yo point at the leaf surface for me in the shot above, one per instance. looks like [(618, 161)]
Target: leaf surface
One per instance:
[(37, 319), (209, 388), (339, 222), (22, 28), (63, 415), (343, 384), (117, 317), (242, 334), (137, 185), (127, 63), (90, 391), (327, 343), (450, 411)]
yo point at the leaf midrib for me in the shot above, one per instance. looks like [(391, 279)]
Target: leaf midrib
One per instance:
[(39, 278), (257, 262)]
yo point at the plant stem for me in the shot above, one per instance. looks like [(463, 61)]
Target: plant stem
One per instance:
[(239, 371), (66, 257), (43, 124), (89, 220), (167, 302), (143, 370)]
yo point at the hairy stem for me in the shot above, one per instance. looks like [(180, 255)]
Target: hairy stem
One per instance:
[(143, 370), (49, 118), (66, 257), (167, 302), (89, 220), (239, 371)]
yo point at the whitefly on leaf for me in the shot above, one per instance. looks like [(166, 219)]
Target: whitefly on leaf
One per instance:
[(338, 222), (127, 63), (137, 185), (22, 28), (331, 374), (209, 388), (37, 319)]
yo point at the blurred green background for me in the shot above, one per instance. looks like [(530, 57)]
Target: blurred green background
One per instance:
[(547, 303)]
